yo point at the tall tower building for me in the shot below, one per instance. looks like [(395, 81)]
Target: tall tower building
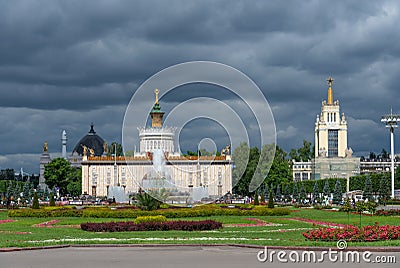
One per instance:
[(157, 136), (330, 128), (333, 158), (64, 144), (44, 159)]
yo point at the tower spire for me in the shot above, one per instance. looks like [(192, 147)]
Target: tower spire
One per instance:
[(64, 144), (330, 91), (156, 113)]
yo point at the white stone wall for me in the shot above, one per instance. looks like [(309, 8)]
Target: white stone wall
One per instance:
[(183, 173)]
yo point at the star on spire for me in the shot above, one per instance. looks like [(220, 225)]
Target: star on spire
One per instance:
[(330, 81)]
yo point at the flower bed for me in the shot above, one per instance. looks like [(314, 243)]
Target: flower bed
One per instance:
[(5, 221), (151, 226), (314, 222), (257, 224), (46, 224), (352, 233)]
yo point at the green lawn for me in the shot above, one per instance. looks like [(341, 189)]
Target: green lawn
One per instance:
[(286, 232)]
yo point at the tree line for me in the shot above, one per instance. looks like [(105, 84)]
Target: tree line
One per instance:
[(279, 180)]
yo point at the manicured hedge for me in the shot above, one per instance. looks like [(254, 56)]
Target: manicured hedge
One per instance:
[(158, 218), (391, 212), (151, 226), (201, 211)]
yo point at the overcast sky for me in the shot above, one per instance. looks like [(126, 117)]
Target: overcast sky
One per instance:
[(65, 64)]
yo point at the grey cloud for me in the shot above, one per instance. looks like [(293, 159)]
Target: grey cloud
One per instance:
[(64, 64)]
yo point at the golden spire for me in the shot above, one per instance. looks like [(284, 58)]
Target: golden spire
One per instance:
[(330, 92), (156, 91)]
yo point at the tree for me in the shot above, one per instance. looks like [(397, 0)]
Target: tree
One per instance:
[(31, 191), (287, 192), (111, 149), (372, 156), (295, 193), (337, 193), (7, 174), (271, 200), (303, 194), (10, 189), (304, 153), (384, 154), (347, 207), (326, 190), (26, 189), (74, 188), (52, 202), (315, 192), (59, 173), (245, 165), (293, 155), (360, 208), (367, 194), (45, 193), (262, 197), (396, 180), (256, 202), (35, 203), (278, 192), (280, 171), (263, 166), (384, 191)]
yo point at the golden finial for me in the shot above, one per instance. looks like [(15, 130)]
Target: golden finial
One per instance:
[(45, 147), (156, 91), (330, 93)]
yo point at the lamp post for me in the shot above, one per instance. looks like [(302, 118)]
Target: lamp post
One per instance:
[(391, 122)]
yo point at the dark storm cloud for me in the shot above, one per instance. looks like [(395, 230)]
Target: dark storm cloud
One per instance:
[(65, 64)]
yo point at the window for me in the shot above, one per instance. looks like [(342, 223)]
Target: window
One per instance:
[(123, 179), (205, 179), (108, 176), (332, 143)]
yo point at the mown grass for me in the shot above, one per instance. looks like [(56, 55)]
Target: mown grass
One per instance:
[(287, 233)]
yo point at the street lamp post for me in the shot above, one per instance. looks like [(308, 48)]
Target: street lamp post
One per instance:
[(391, 122)]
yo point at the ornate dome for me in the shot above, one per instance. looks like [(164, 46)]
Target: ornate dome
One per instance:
[(91, 141)]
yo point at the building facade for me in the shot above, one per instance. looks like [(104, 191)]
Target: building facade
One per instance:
[(302, 171), (333, 158), (156, 165), (368, 166)]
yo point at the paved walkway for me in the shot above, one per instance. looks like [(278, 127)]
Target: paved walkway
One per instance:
[(165, 257)]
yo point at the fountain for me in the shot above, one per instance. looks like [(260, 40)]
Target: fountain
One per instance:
[(158, 177), (158, 180), (117, 193)]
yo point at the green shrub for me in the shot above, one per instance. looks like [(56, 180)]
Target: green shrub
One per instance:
[(201, 211), (158, 218), (271, 200), (256, 202), (52, 202), (35, 203)]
